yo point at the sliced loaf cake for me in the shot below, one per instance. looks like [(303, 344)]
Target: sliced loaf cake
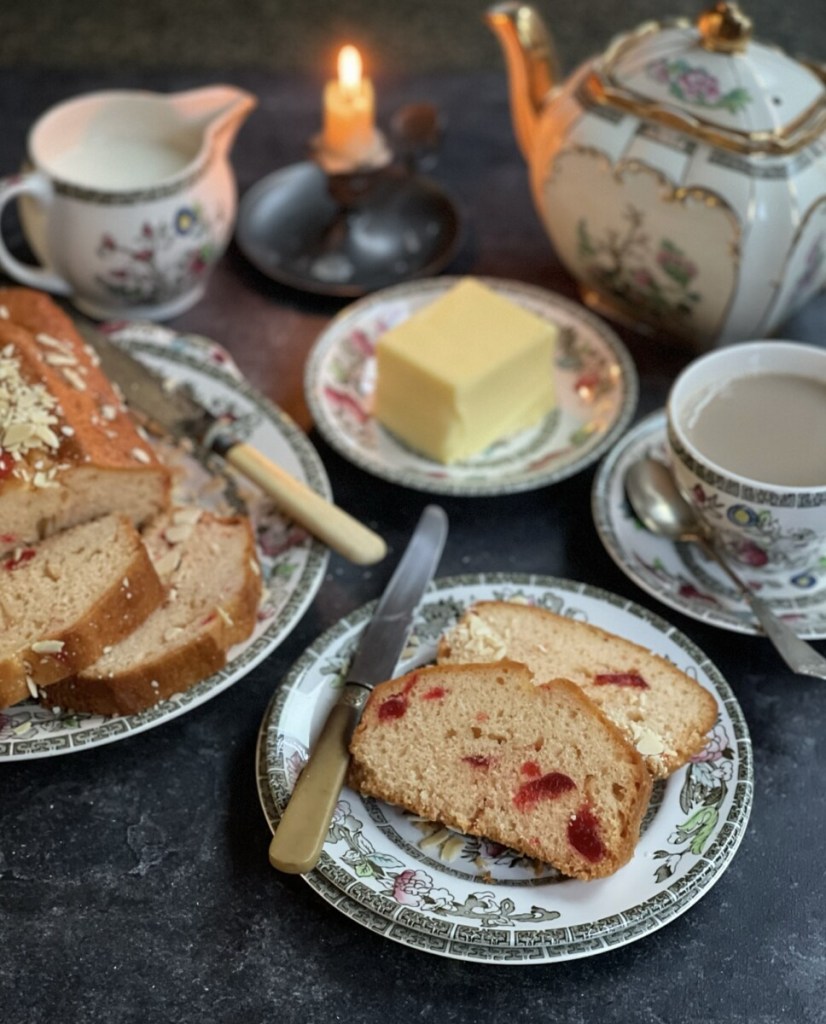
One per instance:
[(62, 601), (210, 570), (69, 451), (664, 712), (482, 749)]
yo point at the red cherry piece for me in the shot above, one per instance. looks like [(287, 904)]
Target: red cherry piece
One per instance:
[(621, 679), (583, 835), (546, 787)]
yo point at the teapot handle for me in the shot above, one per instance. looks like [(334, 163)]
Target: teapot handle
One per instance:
[(40, 188)]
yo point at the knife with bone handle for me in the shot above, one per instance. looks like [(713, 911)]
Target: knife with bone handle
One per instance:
[(299, 837), (171, 410)]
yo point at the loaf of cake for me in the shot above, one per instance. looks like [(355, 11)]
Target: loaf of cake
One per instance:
[(63, 600), (209, 568), (664, 712), (482, 749), (468, 369), (69, 451)]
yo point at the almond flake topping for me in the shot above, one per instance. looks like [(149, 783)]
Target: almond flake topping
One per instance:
[(168, 563), (4, 313), (187, 515), (48, 646), (74, 378), (49, 341), (27, 413), (178, 533), (42, 480), (61, 359), (141, 456)]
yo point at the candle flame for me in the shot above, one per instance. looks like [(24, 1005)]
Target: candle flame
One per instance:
[(349, 68)]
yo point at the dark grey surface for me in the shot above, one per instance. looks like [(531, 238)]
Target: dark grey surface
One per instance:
[(134, 883), (304, 35)]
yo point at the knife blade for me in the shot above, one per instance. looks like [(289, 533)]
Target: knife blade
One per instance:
[(300, 835), (173, 411)]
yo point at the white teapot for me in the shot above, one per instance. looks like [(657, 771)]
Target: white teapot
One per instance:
[(681, 175)]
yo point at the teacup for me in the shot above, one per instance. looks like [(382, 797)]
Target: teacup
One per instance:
[(128, 198), (747, 440)]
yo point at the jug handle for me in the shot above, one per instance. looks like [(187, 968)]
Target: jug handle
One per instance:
[(40, 188)]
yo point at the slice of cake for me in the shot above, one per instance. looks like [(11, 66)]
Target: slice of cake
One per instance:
[(210, 570), (482, 749), (662, 711), (470, 368), (69, 451), (62, 601)]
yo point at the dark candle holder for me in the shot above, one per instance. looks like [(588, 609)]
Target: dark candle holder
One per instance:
[(322, 228)]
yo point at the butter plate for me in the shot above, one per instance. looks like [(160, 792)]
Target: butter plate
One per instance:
[(596, 384), (293, 564), (462, 897), (680, 575)]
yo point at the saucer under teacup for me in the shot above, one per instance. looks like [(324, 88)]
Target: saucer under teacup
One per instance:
[(680, 575)]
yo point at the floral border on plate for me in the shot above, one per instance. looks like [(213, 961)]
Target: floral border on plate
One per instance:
[(293, 564), (597, 390), (465, 898), (678, 574)]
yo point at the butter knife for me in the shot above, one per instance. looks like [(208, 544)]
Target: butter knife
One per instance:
[(173, 411), (300, 835)]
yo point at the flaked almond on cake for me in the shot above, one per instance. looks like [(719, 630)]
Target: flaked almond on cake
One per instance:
[(95, 615), (69, 451)]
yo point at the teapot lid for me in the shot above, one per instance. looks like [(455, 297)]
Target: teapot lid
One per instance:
[(712, 80)]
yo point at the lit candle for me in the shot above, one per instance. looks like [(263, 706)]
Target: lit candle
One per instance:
[(349, 111)]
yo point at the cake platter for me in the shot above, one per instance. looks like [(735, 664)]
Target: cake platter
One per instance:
[(293, 564), (596, 386), (462, 897)]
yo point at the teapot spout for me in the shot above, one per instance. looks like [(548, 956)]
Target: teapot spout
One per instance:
[(533, 68), (216, 112)]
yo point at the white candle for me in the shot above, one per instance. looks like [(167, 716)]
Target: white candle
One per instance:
[(349, 110)]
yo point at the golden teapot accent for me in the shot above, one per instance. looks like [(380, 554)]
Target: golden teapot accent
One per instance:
[(680, 174)]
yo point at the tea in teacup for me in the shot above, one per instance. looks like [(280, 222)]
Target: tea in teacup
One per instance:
[(764, 426), (747, 440)]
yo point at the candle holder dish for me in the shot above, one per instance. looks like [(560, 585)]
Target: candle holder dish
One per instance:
[(348, 232)]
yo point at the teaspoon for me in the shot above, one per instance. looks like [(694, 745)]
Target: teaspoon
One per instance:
[(661, 508)]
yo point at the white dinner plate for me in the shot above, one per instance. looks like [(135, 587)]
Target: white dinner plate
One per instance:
[(680, 575), (466, 898), (293, 564), (596, 387)]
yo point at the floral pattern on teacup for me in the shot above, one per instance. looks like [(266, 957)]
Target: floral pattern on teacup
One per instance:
[(757, 539)]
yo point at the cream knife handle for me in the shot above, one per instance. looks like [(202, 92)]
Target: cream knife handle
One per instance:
[(300, 834), (324, 520)]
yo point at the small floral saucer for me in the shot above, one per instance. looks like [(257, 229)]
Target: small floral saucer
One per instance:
[(596, 390), (680, 575), (463, 897), (292, 563)]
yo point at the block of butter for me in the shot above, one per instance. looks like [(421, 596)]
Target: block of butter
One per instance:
[(468, 369)]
